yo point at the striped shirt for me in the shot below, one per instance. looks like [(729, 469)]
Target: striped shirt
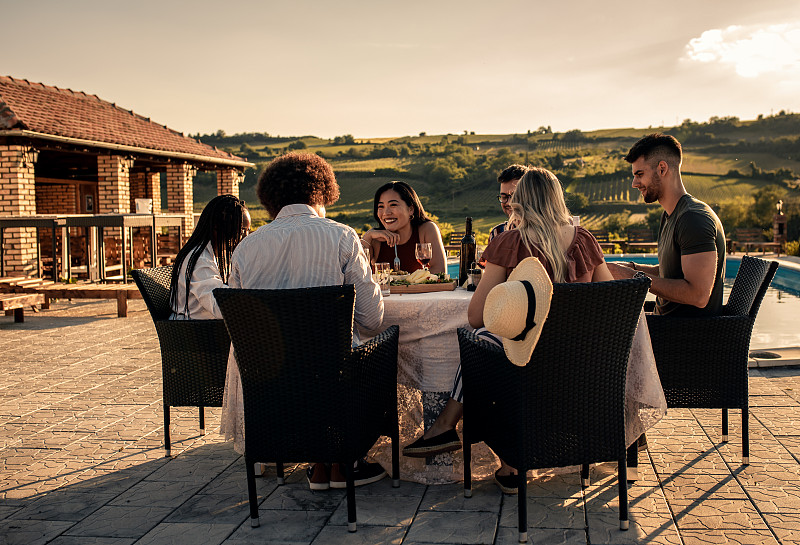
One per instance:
[(299, 249)]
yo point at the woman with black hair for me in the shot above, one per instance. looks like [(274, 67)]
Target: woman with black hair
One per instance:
[(204, 262), (399, 212)]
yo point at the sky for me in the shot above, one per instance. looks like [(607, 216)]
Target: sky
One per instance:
[(378, 68)]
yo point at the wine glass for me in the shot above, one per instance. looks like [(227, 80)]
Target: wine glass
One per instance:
[(383, 272), (423, 252)]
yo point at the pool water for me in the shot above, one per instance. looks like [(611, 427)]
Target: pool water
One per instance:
[(776, 324)]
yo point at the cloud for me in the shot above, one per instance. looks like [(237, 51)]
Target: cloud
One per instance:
[(752, 51)]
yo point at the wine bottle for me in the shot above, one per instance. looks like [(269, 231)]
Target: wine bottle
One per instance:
[(467, 253)]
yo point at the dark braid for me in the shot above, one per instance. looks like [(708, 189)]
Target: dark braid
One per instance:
[(220, 223)]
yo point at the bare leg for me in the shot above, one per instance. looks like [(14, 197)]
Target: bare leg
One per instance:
[(447, 420)]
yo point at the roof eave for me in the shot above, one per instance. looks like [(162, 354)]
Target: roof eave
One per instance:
[(129, 149)]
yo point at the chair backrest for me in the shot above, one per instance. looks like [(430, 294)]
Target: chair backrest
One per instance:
[(748, 234), (749, 286), (571, 395), (291, 346), (154, 285)]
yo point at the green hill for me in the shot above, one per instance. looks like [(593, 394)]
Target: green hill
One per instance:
[(736, 166)]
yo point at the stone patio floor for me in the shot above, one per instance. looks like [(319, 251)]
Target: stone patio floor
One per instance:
[(81, 462)]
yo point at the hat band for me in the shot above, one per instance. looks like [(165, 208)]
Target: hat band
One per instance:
[(529, 323)]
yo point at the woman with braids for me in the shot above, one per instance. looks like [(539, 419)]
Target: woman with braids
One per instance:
[(204, 262)]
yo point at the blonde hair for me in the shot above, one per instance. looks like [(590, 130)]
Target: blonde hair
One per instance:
[(539, 210)]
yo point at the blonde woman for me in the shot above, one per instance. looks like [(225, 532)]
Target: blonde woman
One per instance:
[(569, 254)]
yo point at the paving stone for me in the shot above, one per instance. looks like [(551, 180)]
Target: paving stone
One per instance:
[(64, 505), (461, 527), (30, 532), (716, 515), (156, 494), (399, 511), (86, 540), (702, 487), (365, 535), (770, 475), (290, 527), (297, 497), (643, 528), (786, 526), (546, 512), (187, 533), (485, 497), (119, 521), (221, 509), (7, 511), (784, 499), (728, 537), (691, 462), (550, 536)]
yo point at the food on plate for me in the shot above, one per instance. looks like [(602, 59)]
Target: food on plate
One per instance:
[(420, 276)]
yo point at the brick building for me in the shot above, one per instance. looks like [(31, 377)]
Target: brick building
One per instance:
[(66, 152)]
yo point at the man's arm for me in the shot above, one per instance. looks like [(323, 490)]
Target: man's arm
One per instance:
[(357, 271), (626, 269), (699, 272)]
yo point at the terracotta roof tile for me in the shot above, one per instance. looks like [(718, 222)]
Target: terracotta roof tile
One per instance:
[(64, 112)]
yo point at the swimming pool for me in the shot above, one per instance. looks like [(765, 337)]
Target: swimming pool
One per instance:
[(776, 325)]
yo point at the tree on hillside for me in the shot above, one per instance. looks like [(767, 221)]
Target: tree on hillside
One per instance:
[(297, 144), (763, 208)]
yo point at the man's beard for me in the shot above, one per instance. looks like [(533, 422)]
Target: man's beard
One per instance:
[(653, 191)]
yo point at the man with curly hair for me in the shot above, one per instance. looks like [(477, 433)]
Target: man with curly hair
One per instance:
[(301, 248)]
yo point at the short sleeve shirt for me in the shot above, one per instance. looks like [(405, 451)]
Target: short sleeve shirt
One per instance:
[(692, 228), (583, 255)]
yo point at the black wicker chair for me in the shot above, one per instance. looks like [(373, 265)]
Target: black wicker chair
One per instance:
[(194, 353), (702, 362), (567, 406), (309, 396)]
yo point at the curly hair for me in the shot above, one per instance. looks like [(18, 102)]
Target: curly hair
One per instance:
[(297, 178), (408, 195)]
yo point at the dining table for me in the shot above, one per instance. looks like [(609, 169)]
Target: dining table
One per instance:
[(428, 358)]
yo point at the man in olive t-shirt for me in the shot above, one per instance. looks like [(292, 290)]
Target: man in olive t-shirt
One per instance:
[(691, 242)]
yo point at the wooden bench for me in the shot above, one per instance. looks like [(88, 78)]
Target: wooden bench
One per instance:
[(750, 239), (605, 243), (641, 238), (16, 302), (120, 292)]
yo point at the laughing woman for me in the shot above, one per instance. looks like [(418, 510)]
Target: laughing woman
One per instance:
[(403, 221)]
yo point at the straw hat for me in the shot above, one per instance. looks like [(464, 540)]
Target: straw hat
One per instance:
[(517, 309)]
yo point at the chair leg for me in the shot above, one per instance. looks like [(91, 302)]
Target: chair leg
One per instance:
[(351, 496), (585, 475), (279, 472), (395, 453), (467, 452), (746, 434), (167, 444), (724, 425), (202, 420), (251, 492), (632, 459), (622, 478), (522, 504)]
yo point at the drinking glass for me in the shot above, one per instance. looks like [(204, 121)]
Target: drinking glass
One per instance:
[(383, 276), (423, 252)]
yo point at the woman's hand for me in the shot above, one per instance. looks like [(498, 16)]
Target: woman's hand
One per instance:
[(383, 235)]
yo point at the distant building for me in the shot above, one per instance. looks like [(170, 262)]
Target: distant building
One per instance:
[(66, 152)]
